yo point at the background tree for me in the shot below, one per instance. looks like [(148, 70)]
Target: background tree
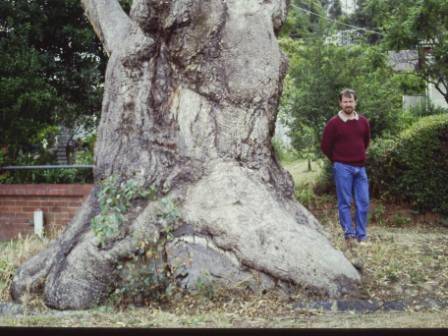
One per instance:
[(419, 25), (304, 19), (422, 25), (369, 15), (51, 69), (189, 109)]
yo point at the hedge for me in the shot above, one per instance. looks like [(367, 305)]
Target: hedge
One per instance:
[(414, 165)]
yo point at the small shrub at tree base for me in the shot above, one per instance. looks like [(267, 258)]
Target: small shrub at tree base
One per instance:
[(205, 287), (413, 166), (115, 200), (142, 280), (145, 276)]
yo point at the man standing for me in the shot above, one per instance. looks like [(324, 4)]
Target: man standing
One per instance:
[(345, 140)]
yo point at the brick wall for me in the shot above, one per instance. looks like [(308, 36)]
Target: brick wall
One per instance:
[(18, 202)]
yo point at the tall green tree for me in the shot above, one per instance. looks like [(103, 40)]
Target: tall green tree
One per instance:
[(369, 15), (422, 25), (304, 18), (408, 24), (51, 68)]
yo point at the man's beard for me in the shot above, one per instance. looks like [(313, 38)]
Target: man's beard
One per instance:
[(348, 110)]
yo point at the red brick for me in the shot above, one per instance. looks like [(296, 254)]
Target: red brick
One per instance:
[(29, 208), (56, 209), (7, 209), (18, 202), (7, 201), (33, 202)]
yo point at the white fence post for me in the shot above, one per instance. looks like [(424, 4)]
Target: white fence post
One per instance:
[(39, 223)]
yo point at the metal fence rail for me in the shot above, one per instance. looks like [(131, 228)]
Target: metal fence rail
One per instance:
[(46, 167)]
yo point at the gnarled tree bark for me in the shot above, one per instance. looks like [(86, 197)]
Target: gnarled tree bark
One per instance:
[(191, 95)]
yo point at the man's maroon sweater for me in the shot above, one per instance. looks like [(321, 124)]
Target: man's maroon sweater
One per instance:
[(346, 141)]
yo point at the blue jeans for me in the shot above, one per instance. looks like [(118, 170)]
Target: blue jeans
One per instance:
[(351, 182)]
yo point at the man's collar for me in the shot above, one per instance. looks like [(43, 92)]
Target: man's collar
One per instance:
[(345, 118)]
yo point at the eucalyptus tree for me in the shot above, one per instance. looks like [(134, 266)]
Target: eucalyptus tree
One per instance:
[(189, 108)]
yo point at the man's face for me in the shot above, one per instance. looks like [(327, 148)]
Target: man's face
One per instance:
[(347, 104)]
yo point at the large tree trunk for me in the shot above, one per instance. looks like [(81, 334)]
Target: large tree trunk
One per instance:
[(190, 102)]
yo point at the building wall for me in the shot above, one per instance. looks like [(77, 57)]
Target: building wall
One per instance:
[(414, 101), (435, 97), (59, 202)]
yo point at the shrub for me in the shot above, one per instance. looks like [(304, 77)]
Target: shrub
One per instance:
[(115, 199), (52, 176), (413, 166), (44, 153)]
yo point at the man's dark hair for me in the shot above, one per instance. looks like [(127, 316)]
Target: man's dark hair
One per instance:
[(347, 93)]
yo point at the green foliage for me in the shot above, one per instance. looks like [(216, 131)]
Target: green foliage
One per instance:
[(301, 23), (85, 154), (335, 9), (168, 212), (369, 14), (427, 110), (319, 70), (304, 194), (411, 83), (377, 214), (142, 280), (283, 153), (421, 25), (325, 182), (52, 69), (205, 287), (400, 220), (145, 277), (53, 176), (115, 199), (408, 117), (43, 152), (412, 166), (304, 140)]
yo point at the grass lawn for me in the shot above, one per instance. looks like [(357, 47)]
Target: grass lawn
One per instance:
[(301, 174), (407, 260)]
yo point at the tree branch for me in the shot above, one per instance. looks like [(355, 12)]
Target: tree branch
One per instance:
[(110, 22)]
